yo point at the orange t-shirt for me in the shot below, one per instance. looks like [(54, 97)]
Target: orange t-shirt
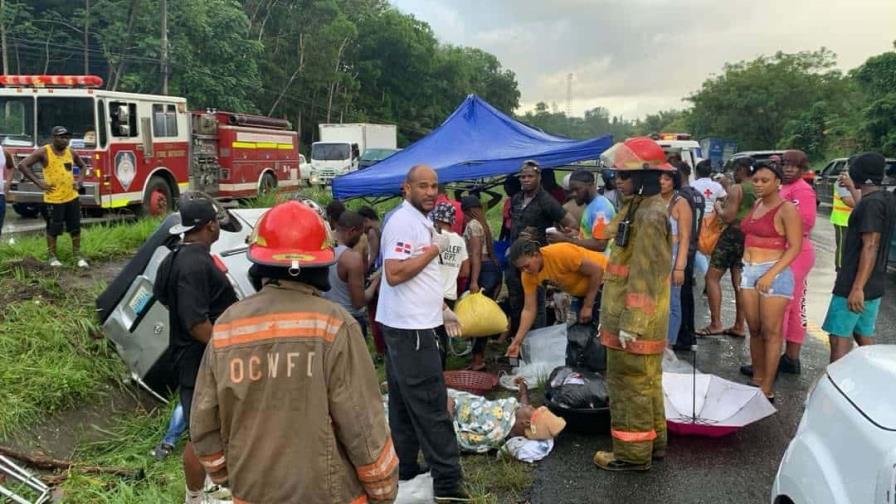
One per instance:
[(561, 266)]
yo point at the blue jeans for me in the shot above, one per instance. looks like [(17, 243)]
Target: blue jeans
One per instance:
[(176, 426), (674, 304), (490, 277), (674, 314)]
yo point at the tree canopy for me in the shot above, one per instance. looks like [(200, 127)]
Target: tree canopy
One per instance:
[(787, 100), (314, 61), (309, 61)]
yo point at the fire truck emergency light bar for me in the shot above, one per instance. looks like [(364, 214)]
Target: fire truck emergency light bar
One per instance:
[(91, 81)]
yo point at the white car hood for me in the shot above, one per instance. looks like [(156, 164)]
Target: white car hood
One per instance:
[(867, 377)]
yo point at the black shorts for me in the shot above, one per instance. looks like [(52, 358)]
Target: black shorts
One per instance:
[(64, 216), (186, 401), (729, 252)]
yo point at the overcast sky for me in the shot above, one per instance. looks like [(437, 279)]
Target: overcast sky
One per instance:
[(635, 57)]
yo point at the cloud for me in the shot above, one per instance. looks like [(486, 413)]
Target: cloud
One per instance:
[(639, 56)]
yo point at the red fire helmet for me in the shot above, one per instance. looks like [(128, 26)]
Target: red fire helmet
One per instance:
[(638, 153), (291, 235)]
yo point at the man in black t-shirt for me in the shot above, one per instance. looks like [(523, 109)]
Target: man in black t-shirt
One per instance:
[(532, 211), (860, 282), (196, 292)]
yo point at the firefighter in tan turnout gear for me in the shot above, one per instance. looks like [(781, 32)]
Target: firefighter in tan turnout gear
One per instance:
[(286, 407), (635, 308)]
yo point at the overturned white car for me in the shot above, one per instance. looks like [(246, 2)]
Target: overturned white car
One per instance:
[(137, 323)]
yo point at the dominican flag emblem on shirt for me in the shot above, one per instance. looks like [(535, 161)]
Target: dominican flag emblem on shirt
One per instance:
[(403, 248)]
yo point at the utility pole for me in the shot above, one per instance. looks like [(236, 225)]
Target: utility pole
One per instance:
[(569, 95), (86, 37), (3, 36), (164, 44)]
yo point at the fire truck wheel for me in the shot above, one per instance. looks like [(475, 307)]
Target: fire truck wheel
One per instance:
[(158, 200), (268, 183), (27, 210)]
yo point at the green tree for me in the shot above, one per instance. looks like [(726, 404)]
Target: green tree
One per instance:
[(877, 80), (595, 122), (664, 120), (753, 101), (309, 61)]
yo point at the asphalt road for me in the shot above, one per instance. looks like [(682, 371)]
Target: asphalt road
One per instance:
[(735, 469)]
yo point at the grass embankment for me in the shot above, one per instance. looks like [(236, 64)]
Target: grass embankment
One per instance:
[(98, 243), (47, 325)]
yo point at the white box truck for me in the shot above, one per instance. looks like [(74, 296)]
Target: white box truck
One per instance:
[(341, 145)]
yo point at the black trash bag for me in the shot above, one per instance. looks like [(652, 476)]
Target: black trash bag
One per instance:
[(583, 348), (577, 389)]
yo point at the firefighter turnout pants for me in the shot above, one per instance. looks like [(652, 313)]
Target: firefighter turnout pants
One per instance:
[(638, 418)]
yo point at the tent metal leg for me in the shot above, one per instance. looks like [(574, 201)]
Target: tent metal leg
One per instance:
[(22, 476)]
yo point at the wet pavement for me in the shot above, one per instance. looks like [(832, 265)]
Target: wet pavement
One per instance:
[(736, 469)]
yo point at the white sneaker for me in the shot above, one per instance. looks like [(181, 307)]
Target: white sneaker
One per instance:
[(82, 263), (199, 499), (55, 262)]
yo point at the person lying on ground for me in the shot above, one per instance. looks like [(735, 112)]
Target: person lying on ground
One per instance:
[(483, 425)]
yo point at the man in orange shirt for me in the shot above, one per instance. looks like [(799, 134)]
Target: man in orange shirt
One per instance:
[(576, 270)]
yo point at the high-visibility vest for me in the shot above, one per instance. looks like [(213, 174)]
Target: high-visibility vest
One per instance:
[(840, 213)]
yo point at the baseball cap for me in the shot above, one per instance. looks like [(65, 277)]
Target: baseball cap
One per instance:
[(194, 213), (443, 212), (469, 202), (867, 168), (60, 131)]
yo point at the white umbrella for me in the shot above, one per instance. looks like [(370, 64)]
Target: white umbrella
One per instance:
[(707, 405)]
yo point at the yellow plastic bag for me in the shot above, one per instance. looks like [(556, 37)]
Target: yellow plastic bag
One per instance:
[(479, 316)]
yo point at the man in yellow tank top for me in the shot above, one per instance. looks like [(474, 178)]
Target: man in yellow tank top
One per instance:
[(60, 189)]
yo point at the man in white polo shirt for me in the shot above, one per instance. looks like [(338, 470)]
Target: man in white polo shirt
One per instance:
[(410, 310)]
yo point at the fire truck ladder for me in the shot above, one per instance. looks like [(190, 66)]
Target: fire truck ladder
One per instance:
[(25, 479)]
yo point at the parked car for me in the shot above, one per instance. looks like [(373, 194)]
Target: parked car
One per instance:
[(827, 177), (374, 156), (844, 450)]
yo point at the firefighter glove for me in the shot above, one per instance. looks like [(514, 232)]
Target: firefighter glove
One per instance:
[(626, 337)]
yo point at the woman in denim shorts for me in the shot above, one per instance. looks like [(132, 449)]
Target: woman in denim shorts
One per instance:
[(772, 239)]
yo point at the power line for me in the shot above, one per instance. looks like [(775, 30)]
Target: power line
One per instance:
[(38, 48)]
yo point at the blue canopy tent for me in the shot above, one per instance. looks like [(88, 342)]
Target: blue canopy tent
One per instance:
[(476, 141)]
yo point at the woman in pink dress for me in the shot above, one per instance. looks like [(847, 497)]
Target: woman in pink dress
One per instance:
[(795, 190)]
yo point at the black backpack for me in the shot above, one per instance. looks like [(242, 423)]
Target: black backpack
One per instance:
[(698, 207)]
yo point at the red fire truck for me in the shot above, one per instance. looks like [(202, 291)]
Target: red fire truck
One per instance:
[(143, 150)]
